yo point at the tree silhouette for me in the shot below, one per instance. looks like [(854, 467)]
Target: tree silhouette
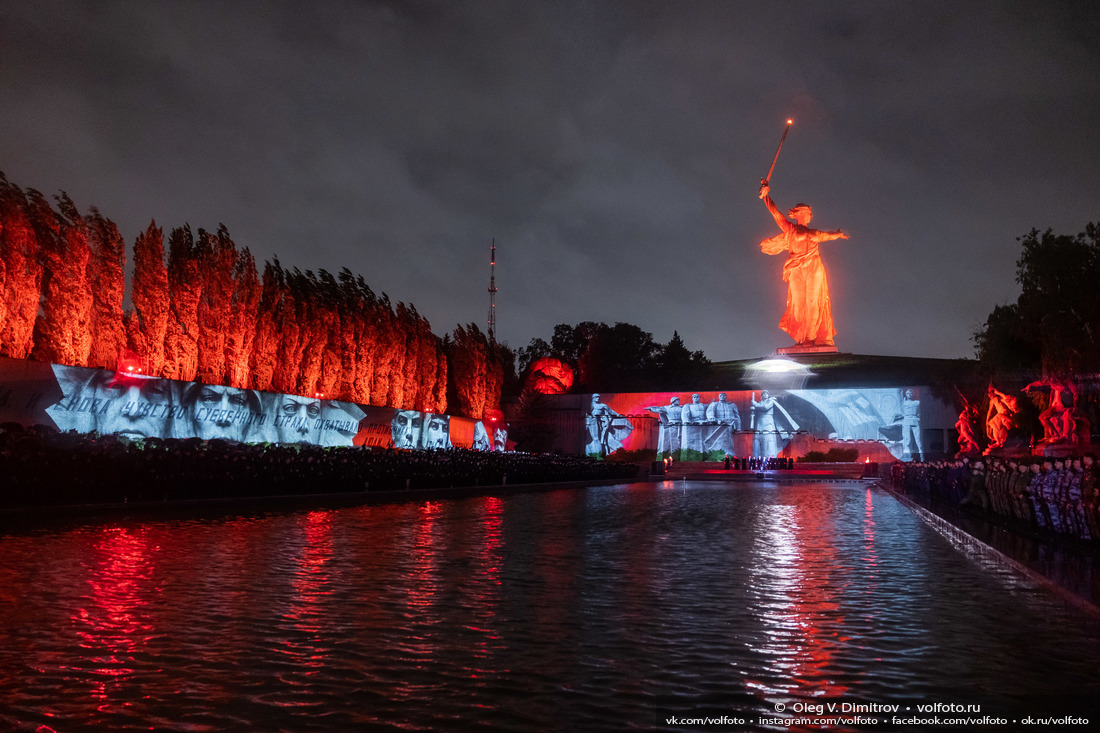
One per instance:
[(62, 330), (106, 271), (147, 324), (22, 273), (185, 280), (1052, 327), (203, 312)]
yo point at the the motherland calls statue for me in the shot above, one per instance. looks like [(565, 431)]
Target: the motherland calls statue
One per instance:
[(808, 318)]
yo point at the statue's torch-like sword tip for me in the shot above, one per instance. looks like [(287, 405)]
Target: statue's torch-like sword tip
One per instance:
[(786, 129)]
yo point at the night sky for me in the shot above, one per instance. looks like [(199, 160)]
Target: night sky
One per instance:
[(612, 149)]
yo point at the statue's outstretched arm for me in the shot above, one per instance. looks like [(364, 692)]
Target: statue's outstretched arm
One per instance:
[(772, 208), (820, 236)]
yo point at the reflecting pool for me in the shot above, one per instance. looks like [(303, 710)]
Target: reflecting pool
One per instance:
[(582, 609)]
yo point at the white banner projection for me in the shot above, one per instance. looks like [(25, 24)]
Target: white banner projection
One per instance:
[(137, 406), (696, 426)]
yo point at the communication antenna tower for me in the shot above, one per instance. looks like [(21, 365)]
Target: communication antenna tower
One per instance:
[(492, 292)]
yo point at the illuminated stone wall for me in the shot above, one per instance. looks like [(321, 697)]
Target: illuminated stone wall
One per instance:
[(883, 423), (135, 406)]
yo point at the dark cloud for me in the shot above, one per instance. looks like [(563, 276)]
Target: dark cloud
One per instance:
[(613, 149)]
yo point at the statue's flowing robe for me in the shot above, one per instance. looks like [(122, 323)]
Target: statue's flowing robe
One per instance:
[(809, 316)]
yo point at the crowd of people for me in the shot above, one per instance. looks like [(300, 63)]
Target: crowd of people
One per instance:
[(758, 463), (41, 467), (1045, 494)]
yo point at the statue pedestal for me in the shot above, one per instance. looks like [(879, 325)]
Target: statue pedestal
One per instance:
[(806, 349), (1060, 450)]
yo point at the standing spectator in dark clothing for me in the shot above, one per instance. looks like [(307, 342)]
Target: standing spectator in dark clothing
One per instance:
[(1090, 493), (976, 493), (1017, 490)]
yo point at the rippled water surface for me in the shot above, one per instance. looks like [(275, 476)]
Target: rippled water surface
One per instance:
[(567, 610)]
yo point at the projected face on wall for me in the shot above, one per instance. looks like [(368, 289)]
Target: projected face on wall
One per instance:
[(218, 412), (135, 406), (294, 418), (141, 406), (481, 437), (132, 406), (437, 431), (406, 427)]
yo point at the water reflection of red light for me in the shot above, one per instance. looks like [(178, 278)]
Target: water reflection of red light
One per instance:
[(318, 529), (491, 541), (487, 590), (802, 618), (311, 586), (114, 626), (419, 546), (425, 558)]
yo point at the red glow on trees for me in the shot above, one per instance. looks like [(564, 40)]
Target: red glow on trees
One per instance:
[(476, 373), (147, 323), (550, 376), (181, 344), (217, 256), (203, 312), (62, 331), (20, 286), (106, 271), (265, 344), (242, 322)]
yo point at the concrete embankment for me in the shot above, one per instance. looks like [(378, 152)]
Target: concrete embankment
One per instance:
[(712, 471), (177, 508)]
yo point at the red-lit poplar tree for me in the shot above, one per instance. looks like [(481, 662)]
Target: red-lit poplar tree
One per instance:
[(470, 365), (107, 275), (147, 324), (384, 347), (62, 331), (332, 353), (217, 257), (181, 342), (289, 318), (20, 287), (366, 346), (203, 313), (265, 345), (243, 323)]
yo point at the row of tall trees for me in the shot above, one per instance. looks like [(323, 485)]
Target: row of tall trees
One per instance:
[(619, 358), (200, 311), (479, 369)]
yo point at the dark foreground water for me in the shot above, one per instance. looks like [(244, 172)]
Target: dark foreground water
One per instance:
[(575, 610)]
